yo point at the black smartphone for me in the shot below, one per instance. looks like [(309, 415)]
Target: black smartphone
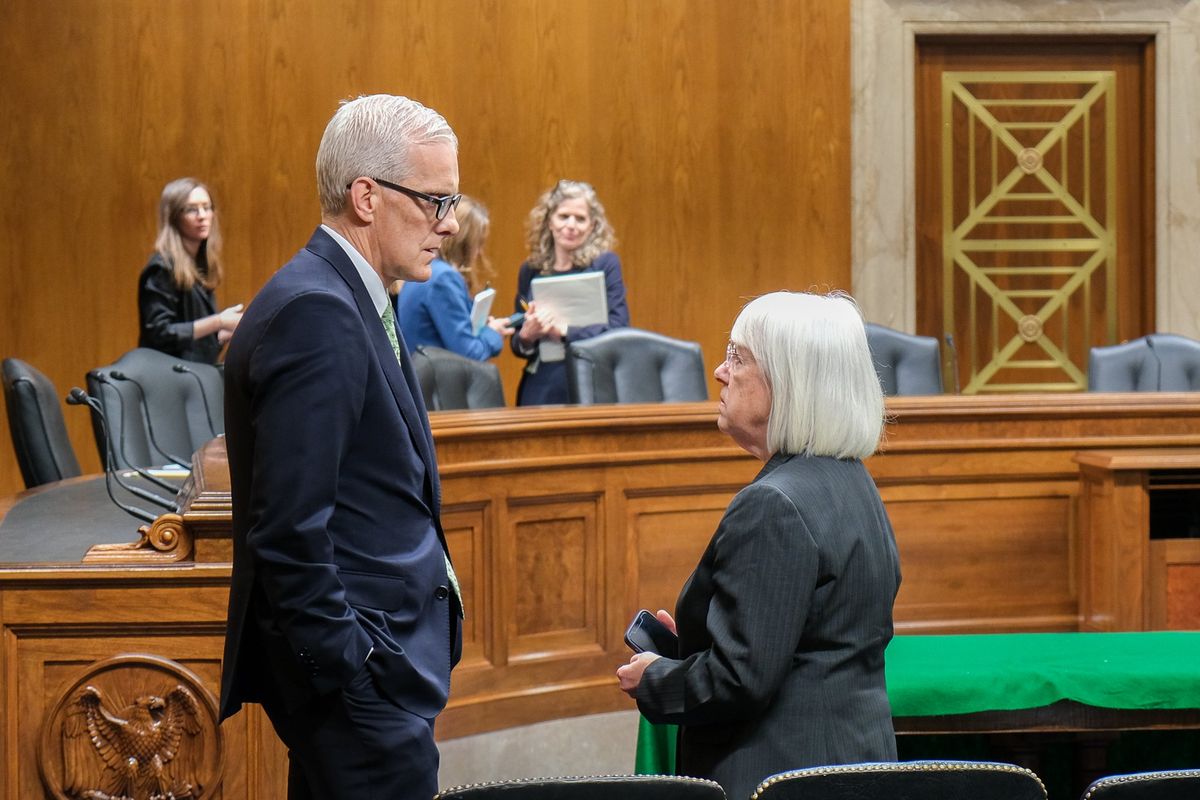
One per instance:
[(647, 635), (516, 320)]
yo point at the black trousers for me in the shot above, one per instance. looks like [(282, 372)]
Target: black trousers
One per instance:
[(356, 744)]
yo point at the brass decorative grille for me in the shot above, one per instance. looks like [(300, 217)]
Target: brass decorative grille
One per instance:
[(1029, 225)]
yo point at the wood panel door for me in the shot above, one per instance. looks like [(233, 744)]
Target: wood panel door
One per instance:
[(1034, 205)]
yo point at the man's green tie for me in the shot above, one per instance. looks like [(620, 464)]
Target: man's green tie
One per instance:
[(389, 325)]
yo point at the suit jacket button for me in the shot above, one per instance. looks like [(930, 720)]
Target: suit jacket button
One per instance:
[(441, 593)]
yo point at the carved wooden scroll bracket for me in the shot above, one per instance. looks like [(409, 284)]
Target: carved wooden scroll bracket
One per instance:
[(165, 540)]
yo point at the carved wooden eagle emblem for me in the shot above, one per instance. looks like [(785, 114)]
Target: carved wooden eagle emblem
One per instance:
[(149, 750)]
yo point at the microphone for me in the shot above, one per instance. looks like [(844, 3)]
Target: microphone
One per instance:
[(78, 397), (953, 362), (120, 448), (121, 376), (145, 494), (1157, 361), (203, 396)]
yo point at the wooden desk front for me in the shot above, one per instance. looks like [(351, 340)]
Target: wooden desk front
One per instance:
[(564, 521)]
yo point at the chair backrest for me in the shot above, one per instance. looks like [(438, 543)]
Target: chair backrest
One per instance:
[(1127, 367), (1179, 784), (1178, 362), (1159, 362), (905, 363), (450, 381), (159, 408), (600, 787), (35, 420), (905, 780), (630, 365)]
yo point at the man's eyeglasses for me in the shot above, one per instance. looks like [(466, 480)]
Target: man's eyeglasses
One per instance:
[(442, 204)]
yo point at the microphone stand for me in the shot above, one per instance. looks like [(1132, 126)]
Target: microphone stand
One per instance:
[(121, 376), (118, 445), (203, 395), (78, 397)]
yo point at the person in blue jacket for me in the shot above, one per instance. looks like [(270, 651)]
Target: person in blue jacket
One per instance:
[(568, 232), (437, 312)]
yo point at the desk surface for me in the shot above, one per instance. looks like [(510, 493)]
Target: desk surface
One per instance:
[(58, 522)]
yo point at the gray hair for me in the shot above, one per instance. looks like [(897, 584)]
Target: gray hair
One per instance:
[(370, 136), (826, 399)]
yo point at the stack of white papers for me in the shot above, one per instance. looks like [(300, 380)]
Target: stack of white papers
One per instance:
[(579, 298), (481, 309)]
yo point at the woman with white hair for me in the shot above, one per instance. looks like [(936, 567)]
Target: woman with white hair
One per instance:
[(783, 624)]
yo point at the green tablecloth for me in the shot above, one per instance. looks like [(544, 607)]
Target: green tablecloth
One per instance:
[(936, 675)]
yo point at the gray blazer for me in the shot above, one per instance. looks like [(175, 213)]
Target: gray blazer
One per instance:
[(782, 630)]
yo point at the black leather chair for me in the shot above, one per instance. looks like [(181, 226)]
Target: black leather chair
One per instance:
[(1180, 784), (35, 420), (905, 363), (601, 787), (905, 780), (1159, 362), (450, 381), (630, 365), (159, 409)]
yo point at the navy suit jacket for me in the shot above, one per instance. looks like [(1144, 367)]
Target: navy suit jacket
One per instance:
[(338, 545)]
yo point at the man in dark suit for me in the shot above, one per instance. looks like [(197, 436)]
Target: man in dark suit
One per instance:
[(344, 610)]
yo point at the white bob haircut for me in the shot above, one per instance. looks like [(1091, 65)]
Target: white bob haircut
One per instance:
[(826, 399), (370, 136)]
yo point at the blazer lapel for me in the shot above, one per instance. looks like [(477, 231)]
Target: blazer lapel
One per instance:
[(401, 380)]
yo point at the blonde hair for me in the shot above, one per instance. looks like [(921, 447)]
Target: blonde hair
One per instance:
[(464, 250), (541, 241), (826, 399), (370, 136), (186, 271)]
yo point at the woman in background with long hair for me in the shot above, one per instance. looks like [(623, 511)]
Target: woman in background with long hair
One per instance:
[(177, 311), (437, 312)]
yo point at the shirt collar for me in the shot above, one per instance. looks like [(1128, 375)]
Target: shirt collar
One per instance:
[(370, 277)]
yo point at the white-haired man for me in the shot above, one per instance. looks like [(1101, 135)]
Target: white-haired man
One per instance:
[(344, 610)]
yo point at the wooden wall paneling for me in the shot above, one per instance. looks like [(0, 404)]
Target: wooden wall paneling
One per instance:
[(1114, 549), (554, 607), (982, 557), (717, 137), (985, 332), (470, 530), (1143, 568), (563, 521), (55, 664), (175, 613), (1173, 584), (668, 533)]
